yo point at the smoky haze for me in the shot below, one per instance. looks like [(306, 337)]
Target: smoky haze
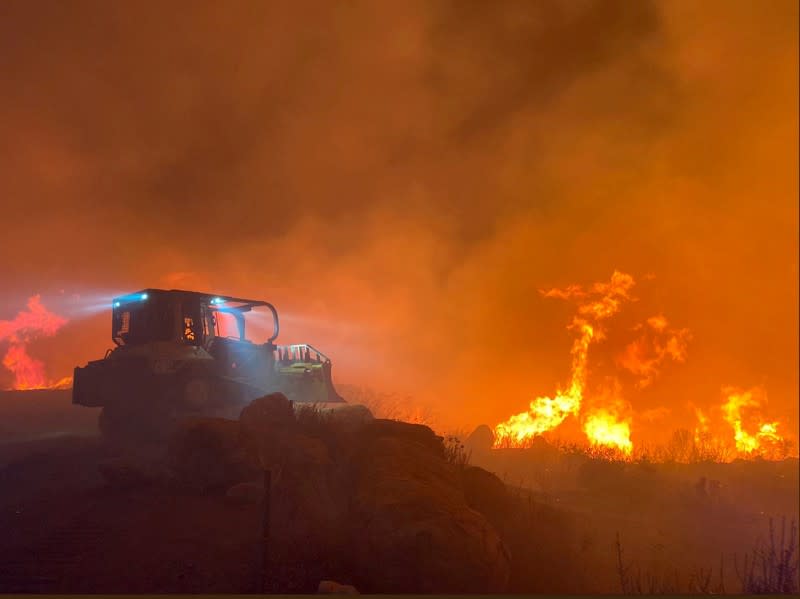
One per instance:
[(401, 179)]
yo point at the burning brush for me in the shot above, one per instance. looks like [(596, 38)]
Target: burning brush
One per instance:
[(606, 420), (30, 324), (597, 304)]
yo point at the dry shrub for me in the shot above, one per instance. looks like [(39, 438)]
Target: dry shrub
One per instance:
[(771, 569), (390, 406), (311, 417), (455, 453)]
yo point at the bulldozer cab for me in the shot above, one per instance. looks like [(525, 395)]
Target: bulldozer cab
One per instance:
[(190, 318)]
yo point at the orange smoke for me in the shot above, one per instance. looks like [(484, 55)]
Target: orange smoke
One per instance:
[(644, 356), (36, 322), (753, 435), (600, 302)]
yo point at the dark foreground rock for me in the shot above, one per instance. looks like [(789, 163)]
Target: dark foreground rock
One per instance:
[(206, 455), (487, 494), (375, 505), (413, 530), (368, 501)]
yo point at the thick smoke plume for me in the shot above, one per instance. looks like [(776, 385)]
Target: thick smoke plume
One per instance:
[(401, 178)]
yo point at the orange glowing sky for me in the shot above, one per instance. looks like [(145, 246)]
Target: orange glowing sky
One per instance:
[(401, 179)]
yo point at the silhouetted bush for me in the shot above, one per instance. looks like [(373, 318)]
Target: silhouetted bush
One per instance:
[(455, 453), (773, 568)]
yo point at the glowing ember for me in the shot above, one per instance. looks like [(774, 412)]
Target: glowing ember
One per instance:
[(743, 408), (37, 321), (603, 428), (602, 301)]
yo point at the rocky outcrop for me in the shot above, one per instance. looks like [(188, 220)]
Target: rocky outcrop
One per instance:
[(206, 455), (487, 494), (266, 414), (413, 531), (417, 434), (350, 418), (372, 500)]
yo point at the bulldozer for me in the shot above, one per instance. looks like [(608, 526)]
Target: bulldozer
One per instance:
[(185, 353)]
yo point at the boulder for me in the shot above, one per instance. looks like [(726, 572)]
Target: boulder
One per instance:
[(487, 494), (350, 417), (266, 414), (480, 440), (418, 434), (266, 427), (206, 455), (413, 531)]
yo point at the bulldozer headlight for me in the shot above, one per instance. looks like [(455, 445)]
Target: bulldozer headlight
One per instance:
[(130, 298)]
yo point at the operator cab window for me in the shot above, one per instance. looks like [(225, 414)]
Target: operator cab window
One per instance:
[(226, 325)]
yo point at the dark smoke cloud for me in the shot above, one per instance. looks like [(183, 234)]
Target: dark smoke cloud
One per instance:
[(401, 178)]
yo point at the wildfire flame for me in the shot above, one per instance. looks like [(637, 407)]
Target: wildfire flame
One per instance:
[(743, 408), (604, 428), (605, 417), (600, 302), (37, 321)]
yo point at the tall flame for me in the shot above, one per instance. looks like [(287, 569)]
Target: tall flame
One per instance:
[(37, 321), (602, 301), (604, 428), (743, 408)]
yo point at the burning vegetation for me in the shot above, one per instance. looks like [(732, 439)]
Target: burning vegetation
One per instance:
[(606, 417)]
